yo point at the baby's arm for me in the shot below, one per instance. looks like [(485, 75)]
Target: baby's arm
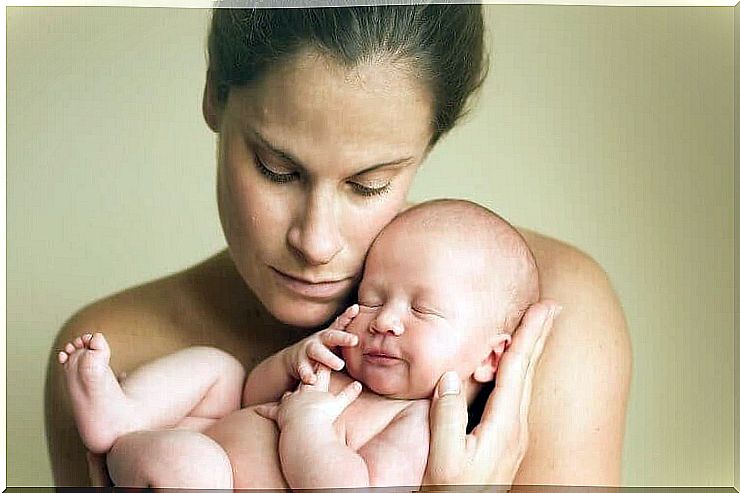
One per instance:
[(280, 372), (397, 456), (314, 455)]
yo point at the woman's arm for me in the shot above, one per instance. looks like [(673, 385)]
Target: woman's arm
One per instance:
[(579, 400)]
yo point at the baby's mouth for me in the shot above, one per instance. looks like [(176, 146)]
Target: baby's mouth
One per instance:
[(381, 358)]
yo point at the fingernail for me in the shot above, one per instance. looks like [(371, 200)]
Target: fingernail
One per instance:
[(449, 384)]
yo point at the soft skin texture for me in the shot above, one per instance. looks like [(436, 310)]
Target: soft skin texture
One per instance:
[(437, 294), (580, 391), (291, 207), (428, 307)]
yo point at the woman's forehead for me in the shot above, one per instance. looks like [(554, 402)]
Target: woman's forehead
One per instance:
[(363, 115)]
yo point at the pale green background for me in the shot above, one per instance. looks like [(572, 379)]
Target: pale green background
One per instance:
[(610, 128)]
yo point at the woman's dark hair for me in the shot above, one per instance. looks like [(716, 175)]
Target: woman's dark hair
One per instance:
[(441, 44)]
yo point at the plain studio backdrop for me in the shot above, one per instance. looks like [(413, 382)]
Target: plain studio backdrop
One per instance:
[(610, 128)]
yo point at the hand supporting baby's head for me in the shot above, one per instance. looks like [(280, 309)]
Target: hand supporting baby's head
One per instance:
[(444, 286)]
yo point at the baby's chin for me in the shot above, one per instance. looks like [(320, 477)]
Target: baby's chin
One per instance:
[(400, 392)]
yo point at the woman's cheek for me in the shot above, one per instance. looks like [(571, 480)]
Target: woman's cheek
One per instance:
[(367, 224)]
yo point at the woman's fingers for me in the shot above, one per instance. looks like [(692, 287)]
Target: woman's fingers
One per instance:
[(516, 370), (97, 470), (448, 419), (534, 361)]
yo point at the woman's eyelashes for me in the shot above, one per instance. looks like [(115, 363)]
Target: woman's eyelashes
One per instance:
[(286, 177), (271, 175), (366, 191)]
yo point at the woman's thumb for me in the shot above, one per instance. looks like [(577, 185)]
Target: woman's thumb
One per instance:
[(448, 419)]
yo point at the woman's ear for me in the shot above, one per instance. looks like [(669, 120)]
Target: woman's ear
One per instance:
[(211, 112), (487, 369)]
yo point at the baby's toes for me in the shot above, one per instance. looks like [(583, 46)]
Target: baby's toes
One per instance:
[(99, 344), (78, 343), (92, 366), (62, 357), (69, 348)]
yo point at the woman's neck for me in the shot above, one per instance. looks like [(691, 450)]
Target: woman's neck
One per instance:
[(244, 304)]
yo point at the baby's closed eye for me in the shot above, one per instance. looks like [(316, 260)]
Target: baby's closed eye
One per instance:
[(367, 307), (425, 311)]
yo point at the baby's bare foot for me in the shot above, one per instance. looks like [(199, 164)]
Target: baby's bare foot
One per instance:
[(101, 409)]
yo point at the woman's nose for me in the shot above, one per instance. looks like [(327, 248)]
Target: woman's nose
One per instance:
[(387, 323), (314, 234)]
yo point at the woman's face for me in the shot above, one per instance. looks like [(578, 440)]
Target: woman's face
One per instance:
[(313, 161)]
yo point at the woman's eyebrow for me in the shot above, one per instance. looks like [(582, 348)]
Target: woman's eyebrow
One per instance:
[(285, 155)]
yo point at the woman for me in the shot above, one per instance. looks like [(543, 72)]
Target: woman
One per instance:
[(323, 118)]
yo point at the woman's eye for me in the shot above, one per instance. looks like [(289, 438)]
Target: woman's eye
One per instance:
[(367, 191), (273, 175)]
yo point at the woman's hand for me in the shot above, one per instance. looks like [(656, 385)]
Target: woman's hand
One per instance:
[(98, 470), (492, 453)]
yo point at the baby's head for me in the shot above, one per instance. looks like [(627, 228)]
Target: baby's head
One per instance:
[(445, 284)]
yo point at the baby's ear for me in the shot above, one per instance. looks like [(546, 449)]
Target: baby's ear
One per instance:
[(487, 369)]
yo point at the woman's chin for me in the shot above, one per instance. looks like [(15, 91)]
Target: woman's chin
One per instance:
[(306, 315)]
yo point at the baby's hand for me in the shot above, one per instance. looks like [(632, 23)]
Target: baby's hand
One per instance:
[(301, 357), (311, 406)]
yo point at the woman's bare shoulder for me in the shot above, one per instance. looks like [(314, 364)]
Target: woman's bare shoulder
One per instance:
[(190, 307), (582, 382)]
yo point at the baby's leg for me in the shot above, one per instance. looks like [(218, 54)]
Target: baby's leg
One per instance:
[(169, 459), (200, 382), (251, 442)]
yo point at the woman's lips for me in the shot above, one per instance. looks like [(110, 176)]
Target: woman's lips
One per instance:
[(308, 289)]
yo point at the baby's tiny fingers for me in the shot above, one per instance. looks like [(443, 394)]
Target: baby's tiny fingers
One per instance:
[(323, 375), (269, 410), (348, 395), (346, 318), (322, 354), (305, 372), (334, 338)]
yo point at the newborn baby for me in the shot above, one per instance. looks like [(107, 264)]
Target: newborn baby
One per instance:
[(444, 286)]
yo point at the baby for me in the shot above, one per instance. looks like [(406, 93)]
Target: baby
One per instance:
[(444, 286)]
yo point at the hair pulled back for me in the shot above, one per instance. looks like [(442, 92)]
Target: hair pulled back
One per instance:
[(442, 45)]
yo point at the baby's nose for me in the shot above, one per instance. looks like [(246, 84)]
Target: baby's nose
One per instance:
[(385, 323)]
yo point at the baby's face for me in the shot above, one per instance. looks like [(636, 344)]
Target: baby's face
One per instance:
[(419, 317)]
